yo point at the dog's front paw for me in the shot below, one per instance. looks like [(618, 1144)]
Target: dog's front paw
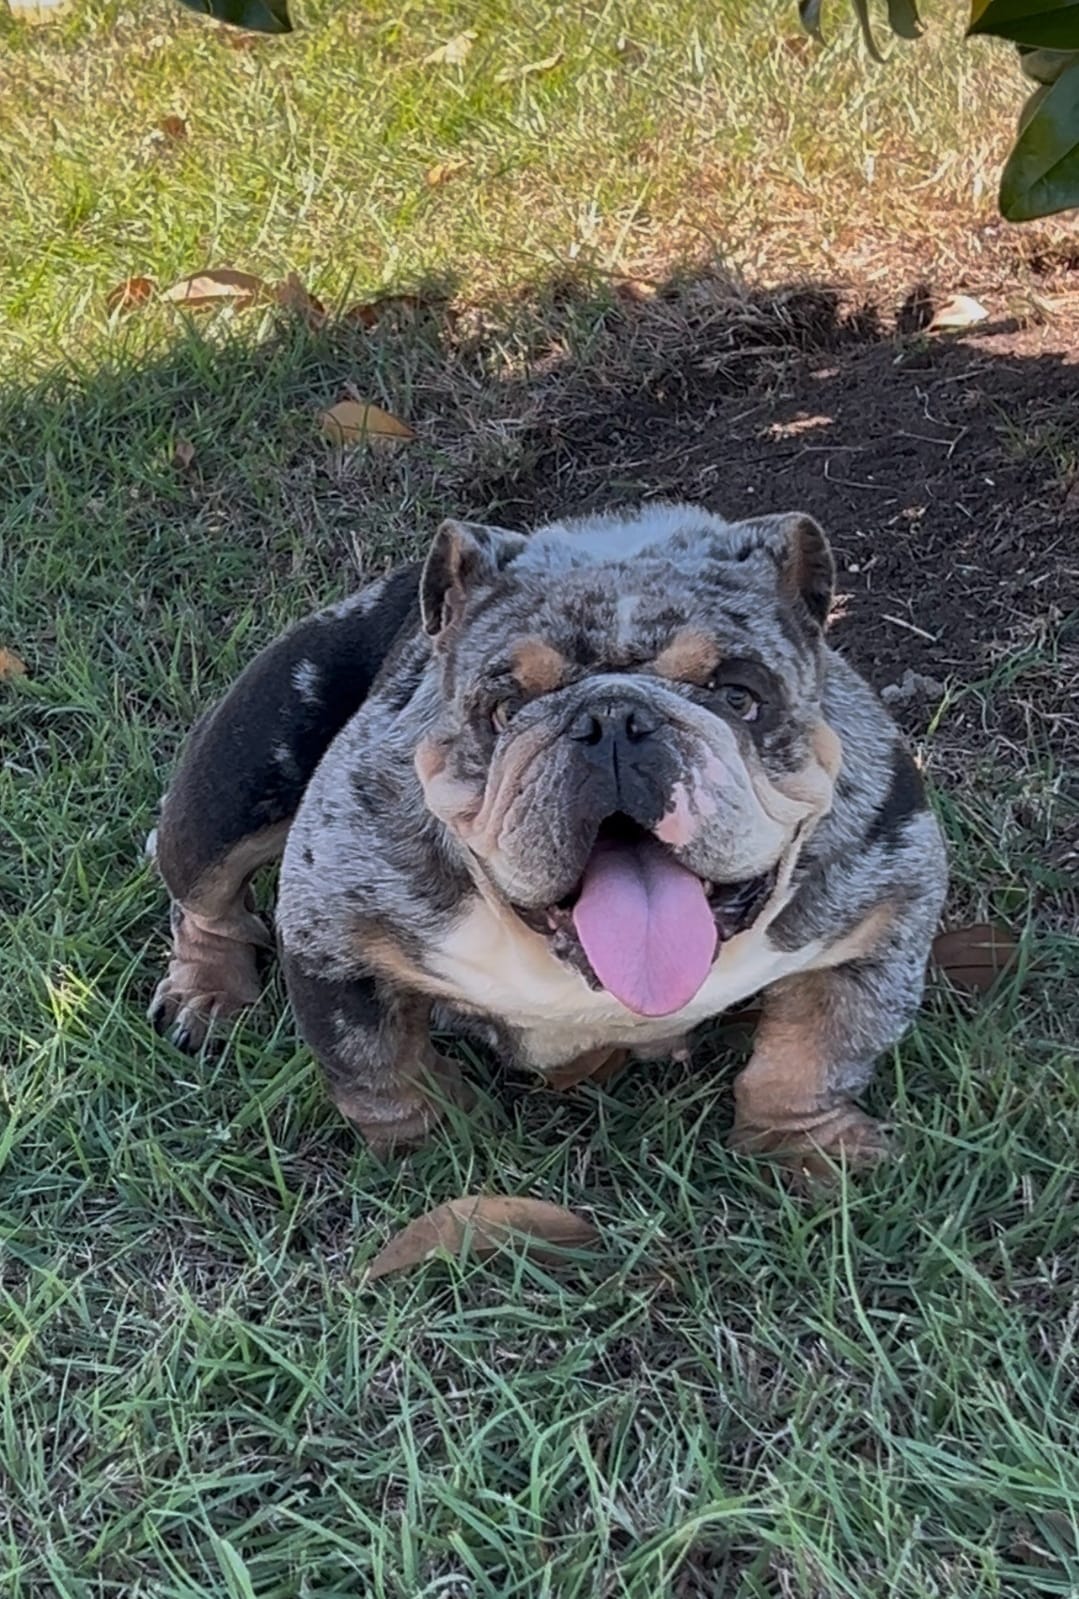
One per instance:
[(847, 1137), (210, 979), (393, 1125)]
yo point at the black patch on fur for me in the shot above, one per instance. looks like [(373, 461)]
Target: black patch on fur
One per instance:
[(904, 799), (845, 787), (229, 783), (327, 1012)]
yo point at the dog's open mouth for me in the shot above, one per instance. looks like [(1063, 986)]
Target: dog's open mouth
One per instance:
[(647, 928)]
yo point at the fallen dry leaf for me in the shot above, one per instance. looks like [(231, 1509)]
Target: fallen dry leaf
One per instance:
[(634, 291), (11, 666), (529, 70), (132, 292), (183, 454), (352, 420), (742, 1016), (959, 312), (974, 957), (369, 313), (482, 1224), (597, 1066), (444, 171), (454, 53), (174, 128), (236, 39), (217, 286), (294, 296)]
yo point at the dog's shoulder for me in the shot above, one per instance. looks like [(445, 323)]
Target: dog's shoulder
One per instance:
[(880, 843)]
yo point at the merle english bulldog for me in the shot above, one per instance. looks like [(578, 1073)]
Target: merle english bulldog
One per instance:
[(583, 790)]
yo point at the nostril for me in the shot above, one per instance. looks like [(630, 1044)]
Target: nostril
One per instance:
[(640, 724), (586, 728)]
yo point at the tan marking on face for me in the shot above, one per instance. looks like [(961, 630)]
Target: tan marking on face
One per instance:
[(690, 657), (538, 667), (503, 786), (450, 798), (811, 789), (827, 746)]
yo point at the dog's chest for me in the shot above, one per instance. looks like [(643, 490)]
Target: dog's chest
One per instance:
[(492, 963)]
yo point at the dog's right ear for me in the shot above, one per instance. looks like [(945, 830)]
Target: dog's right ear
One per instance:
[(464, 557)]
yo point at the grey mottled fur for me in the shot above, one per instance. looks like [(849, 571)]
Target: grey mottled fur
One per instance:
[(393, 894)]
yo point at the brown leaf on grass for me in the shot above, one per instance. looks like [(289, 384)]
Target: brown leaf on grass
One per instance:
[(237, 39), (634, 291), (797, 44), (369, 313), (174, 128), (11, 666), (596, 1066), (127, 295), (959, 312), (481, 1224), (215, 286), (183, 454), (974, 957), (529, 69), (293, 296), (444, 171), (741, 1016), (454, 53), (352, 420)]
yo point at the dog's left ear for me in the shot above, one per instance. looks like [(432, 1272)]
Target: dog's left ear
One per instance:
[(464, 557), (804, 560)]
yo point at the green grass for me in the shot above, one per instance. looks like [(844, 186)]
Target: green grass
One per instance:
[(744, 1393)]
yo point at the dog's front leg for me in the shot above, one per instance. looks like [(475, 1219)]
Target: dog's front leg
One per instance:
[(816, 1046), (374, 1046)]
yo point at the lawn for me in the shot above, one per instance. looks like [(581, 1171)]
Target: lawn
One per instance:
[(677, 252)]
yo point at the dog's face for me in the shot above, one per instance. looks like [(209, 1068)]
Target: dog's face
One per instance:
[(631, 742)]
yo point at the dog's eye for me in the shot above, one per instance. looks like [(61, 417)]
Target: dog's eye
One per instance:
[(500, 716), (741, 700)]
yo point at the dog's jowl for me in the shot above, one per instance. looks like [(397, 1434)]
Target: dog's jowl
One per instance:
[(583, 790)]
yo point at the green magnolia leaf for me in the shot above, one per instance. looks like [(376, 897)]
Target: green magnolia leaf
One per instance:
[(1029, 108), (809, 16), (1047, 24), (1042, 66), (256, 16), (904, 20), (1041, 175)]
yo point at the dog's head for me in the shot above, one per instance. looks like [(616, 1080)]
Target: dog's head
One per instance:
[(631, 741)]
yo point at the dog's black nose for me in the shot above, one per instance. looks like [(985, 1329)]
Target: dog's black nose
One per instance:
[(610, 724)]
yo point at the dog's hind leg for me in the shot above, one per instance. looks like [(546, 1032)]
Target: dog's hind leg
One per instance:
[(236, 788)]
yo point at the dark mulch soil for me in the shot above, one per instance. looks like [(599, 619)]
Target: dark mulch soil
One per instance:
[(940, 466)]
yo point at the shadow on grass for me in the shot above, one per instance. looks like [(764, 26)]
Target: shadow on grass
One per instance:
[(939, 466)]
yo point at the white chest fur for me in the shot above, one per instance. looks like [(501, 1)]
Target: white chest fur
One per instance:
[(491, 962)]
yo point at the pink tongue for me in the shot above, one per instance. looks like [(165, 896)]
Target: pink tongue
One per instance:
[(645, 926)]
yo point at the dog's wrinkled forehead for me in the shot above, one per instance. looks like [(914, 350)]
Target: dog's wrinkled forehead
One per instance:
[(630, 588)]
